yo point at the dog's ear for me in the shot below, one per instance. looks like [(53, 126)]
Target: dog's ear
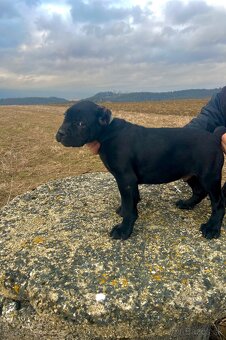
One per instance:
[(104, 115)]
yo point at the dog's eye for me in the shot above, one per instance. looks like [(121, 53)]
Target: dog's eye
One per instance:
[(79, 124)]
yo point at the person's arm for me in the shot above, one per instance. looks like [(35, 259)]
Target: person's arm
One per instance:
[(223, 142), (213, 114)]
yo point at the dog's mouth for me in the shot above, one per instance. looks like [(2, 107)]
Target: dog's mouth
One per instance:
[(63, 139), (67, 145), (71, 144)]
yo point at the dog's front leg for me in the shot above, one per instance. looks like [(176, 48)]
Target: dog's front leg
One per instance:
[(129, 192), (119, 210)]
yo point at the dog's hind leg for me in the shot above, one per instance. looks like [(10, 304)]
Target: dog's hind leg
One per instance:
[(198, 194), (212, 228)]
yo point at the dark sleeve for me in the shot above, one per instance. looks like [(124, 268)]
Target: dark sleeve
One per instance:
[(213, 114)]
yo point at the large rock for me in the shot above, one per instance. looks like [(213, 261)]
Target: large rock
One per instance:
[(62, 275)]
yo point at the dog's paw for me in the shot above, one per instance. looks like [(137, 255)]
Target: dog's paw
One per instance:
[(119, 211), (210, 232), (183, 204), (119, 232)]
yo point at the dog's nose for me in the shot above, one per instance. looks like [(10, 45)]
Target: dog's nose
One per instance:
[(59, 135)]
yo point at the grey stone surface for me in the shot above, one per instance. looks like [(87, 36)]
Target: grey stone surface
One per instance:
[(62, 275)]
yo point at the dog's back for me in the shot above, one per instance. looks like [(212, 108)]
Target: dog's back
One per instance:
[(161, 155)]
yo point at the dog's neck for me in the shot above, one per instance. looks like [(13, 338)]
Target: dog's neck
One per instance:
[(111, 130), (96, 144)]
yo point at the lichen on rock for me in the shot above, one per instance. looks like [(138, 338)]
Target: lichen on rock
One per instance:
[(57, 259)]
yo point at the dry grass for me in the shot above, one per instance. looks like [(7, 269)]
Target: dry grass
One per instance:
[(30, 155)]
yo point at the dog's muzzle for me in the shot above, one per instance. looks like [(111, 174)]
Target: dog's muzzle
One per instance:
[(62, 138), (59, 136), (66, 140)]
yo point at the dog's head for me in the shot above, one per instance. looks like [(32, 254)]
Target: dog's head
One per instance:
[(83, 123)]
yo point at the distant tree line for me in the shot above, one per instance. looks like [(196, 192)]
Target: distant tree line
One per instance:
[(32, 101), (149, 96), (116, 97)]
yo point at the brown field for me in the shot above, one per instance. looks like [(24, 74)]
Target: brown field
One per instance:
[(30, 155)]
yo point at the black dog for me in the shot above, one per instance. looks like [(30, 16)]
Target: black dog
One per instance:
[(138, 155)]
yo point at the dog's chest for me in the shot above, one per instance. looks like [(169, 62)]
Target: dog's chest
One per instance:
[(105, 160)]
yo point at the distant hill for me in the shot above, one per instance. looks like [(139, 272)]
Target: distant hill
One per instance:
[(148, 96), (33, 101)]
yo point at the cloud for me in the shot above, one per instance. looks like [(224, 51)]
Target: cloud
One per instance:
[(32, 2), (178, 12), (13, 28), (100, 12), (101, 45), (7, 10)]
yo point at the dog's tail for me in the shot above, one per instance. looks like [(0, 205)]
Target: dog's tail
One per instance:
[(219, 131)]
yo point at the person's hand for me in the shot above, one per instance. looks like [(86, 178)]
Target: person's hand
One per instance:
[(95, 146), (223, 142)]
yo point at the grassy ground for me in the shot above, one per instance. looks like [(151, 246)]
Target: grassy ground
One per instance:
[(30, 156)]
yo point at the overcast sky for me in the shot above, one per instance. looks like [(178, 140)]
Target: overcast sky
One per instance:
[(77, 48)]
